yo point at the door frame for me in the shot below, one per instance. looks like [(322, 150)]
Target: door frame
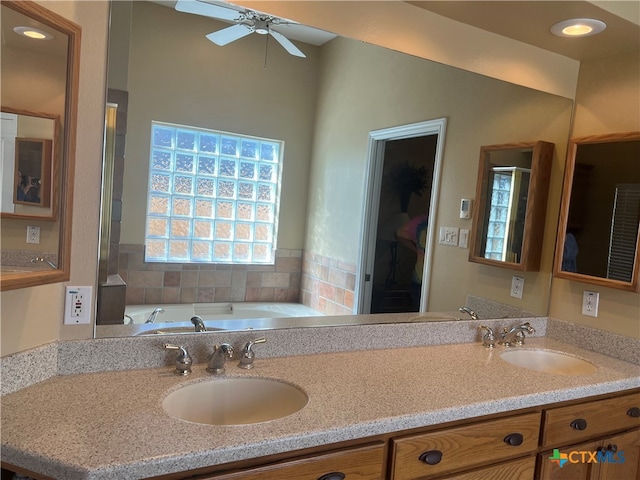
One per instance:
[(373, 186)]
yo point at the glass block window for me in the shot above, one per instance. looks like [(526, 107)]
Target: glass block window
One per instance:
[(499, 214), (213, 196)]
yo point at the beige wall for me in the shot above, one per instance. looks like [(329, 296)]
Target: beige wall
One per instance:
[(33, 316), (350, 105), (607, 101), (182, 78)]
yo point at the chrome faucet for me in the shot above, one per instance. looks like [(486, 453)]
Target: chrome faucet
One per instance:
[(154, 314), (469, 312), (199, 324), (489, 338), (183, 359), (44, 260), (219, 357), (247, 357), (515, 335)]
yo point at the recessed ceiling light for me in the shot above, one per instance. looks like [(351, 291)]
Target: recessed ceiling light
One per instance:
[(33, 33), (578, 27)]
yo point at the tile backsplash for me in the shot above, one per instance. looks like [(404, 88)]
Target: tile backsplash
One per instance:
[(155, 283)]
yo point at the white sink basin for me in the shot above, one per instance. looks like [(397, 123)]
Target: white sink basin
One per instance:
[(175, 330), (234, 401), (549, 362)]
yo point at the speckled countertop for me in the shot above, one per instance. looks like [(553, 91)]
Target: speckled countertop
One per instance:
[(111, 425)]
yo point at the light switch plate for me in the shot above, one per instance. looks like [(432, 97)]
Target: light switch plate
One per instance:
[(517, 286), (448, 236), (463, 239), (590, 303), (77, 306)]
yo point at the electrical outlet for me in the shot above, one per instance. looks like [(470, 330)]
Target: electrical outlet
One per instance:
[(33, 234), (517, 286), (590, 303), (448, 236), (77, 305)]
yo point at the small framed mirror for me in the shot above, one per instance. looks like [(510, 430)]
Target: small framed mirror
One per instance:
[(30, 153), (510, 206), (39, 90), (600, 213)]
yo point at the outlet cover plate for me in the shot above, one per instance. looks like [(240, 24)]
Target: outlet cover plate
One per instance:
[(77, 305), (590, 303), (517, 286)]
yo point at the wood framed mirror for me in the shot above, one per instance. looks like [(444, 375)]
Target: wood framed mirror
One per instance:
[(39, 80), (510, 206), (599, 217)]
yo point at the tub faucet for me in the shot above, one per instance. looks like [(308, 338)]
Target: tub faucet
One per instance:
[(468, 311), (515, 335), (154, 314), (199, 324), (44, 260), (219, 357)]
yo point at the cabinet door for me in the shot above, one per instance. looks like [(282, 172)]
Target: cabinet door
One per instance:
[(363, 463), (573, 468), (522, 469), (624, 457)]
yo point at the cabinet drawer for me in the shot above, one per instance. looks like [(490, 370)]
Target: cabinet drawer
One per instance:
[(363, 463), (566, 425), (521, 469), (433, 453)]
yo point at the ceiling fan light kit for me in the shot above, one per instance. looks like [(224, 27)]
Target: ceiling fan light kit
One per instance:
[(246, 23)]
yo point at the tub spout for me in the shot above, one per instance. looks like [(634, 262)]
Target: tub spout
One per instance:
[(198, 323), (154, 314)]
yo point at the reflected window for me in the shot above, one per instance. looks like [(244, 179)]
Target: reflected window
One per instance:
[(213, 196), (507, 210)]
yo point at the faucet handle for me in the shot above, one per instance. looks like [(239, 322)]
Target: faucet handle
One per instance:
[(489, 338), (248, 355), (183, 359)]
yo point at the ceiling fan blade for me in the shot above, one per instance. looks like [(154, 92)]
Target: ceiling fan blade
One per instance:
[(286, 44), (229, 34), (206, 9)]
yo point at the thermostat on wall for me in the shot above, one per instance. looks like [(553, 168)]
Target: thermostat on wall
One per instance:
[(465, 208)]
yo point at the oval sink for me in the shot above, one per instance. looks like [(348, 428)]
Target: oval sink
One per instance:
[(549, 362), (234, 401)]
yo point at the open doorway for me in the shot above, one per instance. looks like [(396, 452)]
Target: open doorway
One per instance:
[(403, 181), (405, 197)]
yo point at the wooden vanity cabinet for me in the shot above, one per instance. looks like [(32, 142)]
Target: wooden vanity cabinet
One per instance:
[(591, 427), (622, 466)]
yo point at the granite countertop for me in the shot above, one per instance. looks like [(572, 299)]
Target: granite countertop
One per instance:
[(111, 425)]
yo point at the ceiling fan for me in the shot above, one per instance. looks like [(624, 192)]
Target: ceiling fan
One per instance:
[(246, 23)]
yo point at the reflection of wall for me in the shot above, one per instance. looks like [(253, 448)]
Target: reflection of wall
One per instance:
[(350, 105), (607, 100), (222, 88)]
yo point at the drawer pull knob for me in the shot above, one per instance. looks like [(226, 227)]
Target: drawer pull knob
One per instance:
[(514, 439), (432, 457), (579, 424), (333, 476), (634, 412)]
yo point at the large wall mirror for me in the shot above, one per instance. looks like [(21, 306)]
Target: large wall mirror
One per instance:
[(324, 119), (511, 204), (39, 81), (600, 215)]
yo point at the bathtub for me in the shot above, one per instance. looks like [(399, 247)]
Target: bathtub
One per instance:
[(216, 316)]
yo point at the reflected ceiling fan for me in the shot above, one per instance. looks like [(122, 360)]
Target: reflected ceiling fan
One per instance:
[(246, 23)]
